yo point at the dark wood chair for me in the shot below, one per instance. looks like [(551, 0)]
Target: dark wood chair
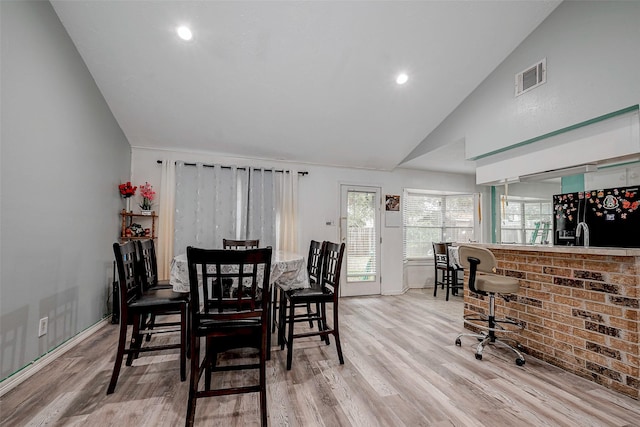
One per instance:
[(317, 252), (326, 292), (233, 320), (136, 306), (446, 274), (240, 244), (149, 272), (314, 266)]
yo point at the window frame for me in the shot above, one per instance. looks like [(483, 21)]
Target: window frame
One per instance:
[(523, 230), (444, 225)]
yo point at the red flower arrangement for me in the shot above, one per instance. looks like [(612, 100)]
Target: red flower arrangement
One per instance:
[(127, 190)]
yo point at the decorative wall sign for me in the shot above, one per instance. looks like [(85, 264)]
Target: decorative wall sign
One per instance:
[(392, 216), (392, 203)]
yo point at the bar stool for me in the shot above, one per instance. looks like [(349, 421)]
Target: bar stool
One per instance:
[(481, 264)]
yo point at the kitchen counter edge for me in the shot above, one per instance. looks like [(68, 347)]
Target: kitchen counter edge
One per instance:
[(562, 249)]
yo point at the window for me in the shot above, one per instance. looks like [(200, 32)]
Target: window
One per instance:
[(429, 218), (525, 222)]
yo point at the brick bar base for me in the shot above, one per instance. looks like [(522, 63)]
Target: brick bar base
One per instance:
[(579, 307)]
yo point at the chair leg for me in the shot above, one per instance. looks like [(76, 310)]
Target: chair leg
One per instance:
[(447, 281), (193, 382), (292, 312), (435, 285), (336, 333), (320, 328), (119, 355), (263, 384), (151, 324), (210, 365), (323, 323), (276, 291), (188, 321), (270, 320), (309, 315), (183, 342), (136, 339), (282, 314)]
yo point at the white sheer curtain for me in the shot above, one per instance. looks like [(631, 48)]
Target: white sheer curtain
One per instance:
[(213, 202), (165, 226), (287, 214)]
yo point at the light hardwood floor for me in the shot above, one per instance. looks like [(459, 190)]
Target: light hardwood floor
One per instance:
[(401, 369)]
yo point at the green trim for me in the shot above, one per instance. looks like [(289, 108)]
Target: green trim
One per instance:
[(52, 349), (493, 214), (618, 165), (572, 183), (559, 131)]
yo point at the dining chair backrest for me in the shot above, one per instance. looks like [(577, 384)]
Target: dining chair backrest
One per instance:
[(127, 265), (240, 244), (441, 254), (247, 272), (314, 260), (331, 267), (148, 263)]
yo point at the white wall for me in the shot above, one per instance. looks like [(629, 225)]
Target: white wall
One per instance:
[(592, 70), (320, 197), (62, 157)]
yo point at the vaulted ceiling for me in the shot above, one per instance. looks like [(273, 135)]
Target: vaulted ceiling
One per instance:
[(303, 81)]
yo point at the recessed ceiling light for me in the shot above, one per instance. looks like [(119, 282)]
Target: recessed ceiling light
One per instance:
[(184, 33), (402, 78)]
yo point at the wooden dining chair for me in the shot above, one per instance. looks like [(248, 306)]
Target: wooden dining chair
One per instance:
[(314, 266), (240, 244), (326, 292), (137, 305), (149, 273), (446, 274), (239, 319)]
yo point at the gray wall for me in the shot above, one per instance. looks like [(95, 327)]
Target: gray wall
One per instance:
[(592, 70), (62, 157)]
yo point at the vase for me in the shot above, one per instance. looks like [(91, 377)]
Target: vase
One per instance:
[(146, 212)]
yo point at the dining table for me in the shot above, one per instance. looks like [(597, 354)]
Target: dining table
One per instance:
[(288, 271)]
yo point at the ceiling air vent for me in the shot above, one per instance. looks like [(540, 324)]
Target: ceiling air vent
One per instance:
[(532, 77)]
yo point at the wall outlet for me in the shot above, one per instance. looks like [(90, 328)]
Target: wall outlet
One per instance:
[(43, 326)]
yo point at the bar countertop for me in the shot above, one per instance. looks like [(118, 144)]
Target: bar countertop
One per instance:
[(591, 250)]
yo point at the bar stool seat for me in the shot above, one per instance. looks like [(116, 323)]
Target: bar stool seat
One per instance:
[(497, 284)]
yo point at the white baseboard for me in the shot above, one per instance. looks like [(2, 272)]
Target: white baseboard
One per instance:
[(12, 381), (400, 292)]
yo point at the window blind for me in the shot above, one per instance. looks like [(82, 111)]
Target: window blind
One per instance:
[(429, 218)]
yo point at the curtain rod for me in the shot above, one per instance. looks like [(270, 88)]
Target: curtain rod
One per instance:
[(303, 173)]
